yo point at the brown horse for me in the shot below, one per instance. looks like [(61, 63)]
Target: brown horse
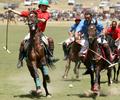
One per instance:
[(116, 51), (73, 56), (36, 58), (117, 60), (95, 60)]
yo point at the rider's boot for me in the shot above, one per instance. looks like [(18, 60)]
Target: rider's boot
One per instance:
[(89, 70), (65, 50)]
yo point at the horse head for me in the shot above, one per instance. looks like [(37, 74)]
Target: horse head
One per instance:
[(91, 33), (32, 22)]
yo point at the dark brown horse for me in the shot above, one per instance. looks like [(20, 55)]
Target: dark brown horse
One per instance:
[(95, 60), (117, 60), (73, 56), (36, 58), (116, 51)]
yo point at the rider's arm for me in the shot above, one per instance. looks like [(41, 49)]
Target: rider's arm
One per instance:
[(42, 20), (14, 11), (72, 28), (99, 27), (23, 13), (70, 34), (79, 29)]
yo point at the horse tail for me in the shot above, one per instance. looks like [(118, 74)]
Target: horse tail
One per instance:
[(51, 45)]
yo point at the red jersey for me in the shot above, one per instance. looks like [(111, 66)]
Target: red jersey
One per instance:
[(113, 33), (42, 15), (119, 33)]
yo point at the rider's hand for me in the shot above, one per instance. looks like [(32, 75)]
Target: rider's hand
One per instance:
[(117, 40), (9, 9)]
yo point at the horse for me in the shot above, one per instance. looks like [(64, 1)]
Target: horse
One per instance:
[(95, 60), (115, 49), (35, 54), (73, 56), (117, 60)]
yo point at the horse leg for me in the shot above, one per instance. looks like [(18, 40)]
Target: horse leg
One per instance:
[(34, 73), (76, 69), (118, 72), (67, 68), (45, 71), (44, 74), (114, 70), (109, 70), (97, 80), (92, 79)]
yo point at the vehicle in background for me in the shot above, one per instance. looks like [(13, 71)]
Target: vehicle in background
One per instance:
[(35, 1), (27, 2), (71, 2), (10, 5), (117, 4), (77, 7), (104, 3)]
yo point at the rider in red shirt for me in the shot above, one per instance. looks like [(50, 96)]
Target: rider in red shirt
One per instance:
[(41, 15), (113, 31)]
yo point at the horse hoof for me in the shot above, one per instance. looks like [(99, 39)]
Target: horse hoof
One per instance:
[(36, 92), (64, 77), (39, 91), (49, 96), (111, 82), (116, 80), (78, 78), (87, 94), (96, 93)]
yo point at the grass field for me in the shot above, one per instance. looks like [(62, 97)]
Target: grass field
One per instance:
[(15, 84)]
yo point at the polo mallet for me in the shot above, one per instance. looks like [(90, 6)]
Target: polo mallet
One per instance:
[(6, 42), (111, 65)]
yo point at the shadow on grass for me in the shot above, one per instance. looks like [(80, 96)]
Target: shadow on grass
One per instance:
[(72, 80), (104, 82), (55, 60), (93, 96), (30, 96)]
